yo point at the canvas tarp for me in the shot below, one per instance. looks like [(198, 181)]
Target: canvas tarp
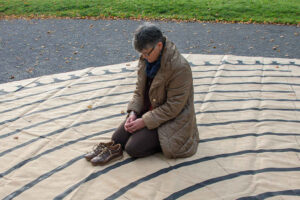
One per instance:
[(248, 116)]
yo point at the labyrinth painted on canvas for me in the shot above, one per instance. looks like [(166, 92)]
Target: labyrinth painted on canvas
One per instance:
[(248, 116)]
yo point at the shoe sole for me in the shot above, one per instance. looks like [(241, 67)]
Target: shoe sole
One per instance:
[(112, 160)]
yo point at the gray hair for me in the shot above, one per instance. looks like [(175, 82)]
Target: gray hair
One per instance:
[(146, 36)]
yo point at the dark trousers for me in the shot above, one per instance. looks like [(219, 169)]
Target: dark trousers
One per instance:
[(141, 143)]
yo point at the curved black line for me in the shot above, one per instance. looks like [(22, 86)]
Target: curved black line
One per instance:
[(295, 192), (60, 117), (93, 176), (3, 153), (100, 81), (253, 99), (56, 107), (246, 109), (248, 120), (240, 62), (248, 76), (117, 115), (41, 178), (243, 91), (192, 65), (192, 162), (211, 181), (78, 112), (248, 135), (46, 175), (62, 106), (242, 70), (43, 100), (40, 101), (20, 164), (72, 77), (64, 87), (249, 83)]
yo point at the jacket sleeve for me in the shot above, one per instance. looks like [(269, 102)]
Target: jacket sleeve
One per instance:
[(178, 91), (137, 102)]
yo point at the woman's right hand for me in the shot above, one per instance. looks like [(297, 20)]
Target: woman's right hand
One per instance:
[(132, 116)]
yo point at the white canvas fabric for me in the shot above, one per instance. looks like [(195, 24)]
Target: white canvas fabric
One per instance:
[(248, 116)]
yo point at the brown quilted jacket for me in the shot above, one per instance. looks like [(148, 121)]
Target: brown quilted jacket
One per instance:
[(172, 98)]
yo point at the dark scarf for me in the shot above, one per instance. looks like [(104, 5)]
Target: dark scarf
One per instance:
[(152, 68)]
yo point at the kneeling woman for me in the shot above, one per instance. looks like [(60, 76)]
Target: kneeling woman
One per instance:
[(161, 113)]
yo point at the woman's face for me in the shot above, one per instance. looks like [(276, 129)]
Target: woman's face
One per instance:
[(152, 54)]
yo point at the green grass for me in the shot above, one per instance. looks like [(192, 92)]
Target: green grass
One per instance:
[(259, 11)]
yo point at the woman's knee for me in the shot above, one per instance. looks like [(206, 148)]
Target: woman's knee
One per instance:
[(137, 151), (133, 151)]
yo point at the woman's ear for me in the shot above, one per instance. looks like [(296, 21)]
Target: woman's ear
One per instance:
[(160, 45)]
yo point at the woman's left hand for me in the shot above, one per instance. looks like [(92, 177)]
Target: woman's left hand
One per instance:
[(135, 125)]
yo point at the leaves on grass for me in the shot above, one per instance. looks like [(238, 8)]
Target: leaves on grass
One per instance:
[(275, 47)]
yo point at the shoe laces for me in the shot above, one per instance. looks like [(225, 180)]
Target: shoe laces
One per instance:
[(104, 149), (98, 148)]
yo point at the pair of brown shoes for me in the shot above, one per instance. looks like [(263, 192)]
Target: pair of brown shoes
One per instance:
[(104, 153)]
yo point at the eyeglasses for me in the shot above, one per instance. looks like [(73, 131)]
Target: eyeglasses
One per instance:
[(149, 53)]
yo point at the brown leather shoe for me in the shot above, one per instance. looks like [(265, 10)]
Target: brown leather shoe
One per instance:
[(98, 149), (108, 154)]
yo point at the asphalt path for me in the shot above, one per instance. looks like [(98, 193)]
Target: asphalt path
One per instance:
[(32, 48)]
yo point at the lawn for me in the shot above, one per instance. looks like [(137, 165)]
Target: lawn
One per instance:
[(259, 11)]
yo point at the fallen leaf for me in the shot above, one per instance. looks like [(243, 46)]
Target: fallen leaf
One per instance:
[(11, 77), (91, 26), (277, 66), (16, 137), (90, 107), (30, 70), (127, 64), (278, 50)]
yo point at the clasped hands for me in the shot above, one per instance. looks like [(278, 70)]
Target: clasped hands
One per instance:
[(133, 124)]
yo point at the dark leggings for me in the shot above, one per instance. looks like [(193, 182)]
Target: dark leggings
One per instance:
[(141, 143)]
